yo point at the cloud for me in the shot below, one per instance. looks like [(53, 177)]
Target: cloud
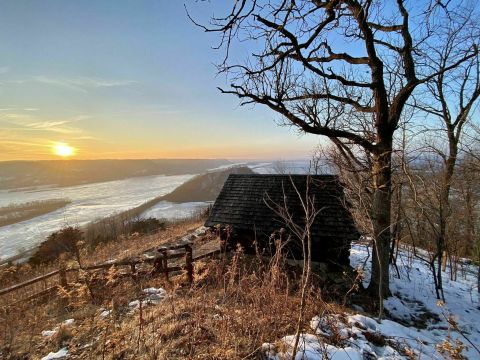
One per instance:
[(81, 84), (54, 126), (87, 137), (28, 122), (14, 144), (4, 69), (24, 136)]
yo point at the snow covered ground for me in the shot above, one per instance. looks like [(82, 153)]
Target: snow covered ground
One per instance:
[(418, 325), (169, 210)]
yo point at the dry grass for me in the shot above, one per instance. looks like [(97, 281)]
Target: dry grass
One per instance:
[(235, 305), (131, 246), (21, 324), (120, 248)]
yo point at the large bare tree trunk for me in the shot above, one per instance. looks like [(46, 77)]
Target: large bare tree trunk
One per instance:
[(381, 208), (444, 213)]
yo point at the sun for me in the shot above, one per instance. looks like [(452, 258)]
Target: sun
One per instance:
[(63, 149)]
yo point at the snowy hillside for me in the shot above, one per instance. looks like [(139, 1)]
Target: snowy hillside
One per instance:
[(417, 325)]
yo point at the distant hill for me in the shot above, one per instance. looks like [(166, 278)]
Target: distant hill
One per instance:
[(205, 187), (26, 174)]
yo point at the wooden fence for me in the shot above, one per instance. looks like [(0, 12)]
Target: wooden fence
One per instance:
[(160, 262)]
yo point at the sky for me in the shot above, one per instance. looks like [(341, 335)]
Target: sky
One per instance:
[(124, 79)]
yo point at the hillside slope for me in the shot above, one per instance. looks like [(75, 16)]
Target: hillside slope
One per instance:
[(205, 187), (21, 174)]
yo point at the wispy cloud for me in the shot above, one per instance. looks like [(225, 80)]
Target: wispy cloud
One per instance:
[(53, 126), (87, 137), (28, 136), (81, 83), (30, 122), (14, 145)]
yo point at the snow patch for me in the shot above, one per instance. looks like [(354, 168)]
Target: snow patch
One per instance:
[(60, 354), (49, 333), (68, 322), (153, 296), (105, 313)]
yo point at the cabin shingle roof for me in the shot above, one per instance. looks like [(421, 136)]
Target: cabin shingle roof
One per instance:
[(242, 203)]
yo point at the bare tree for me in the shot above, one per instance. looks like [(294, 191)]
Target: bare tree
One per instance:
[(302, 232), (472, 167), (451, 97), (343, 69)]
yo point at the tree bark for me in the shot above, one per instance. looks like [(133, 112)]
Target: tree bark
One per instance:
[(444, 208), (381, 209)]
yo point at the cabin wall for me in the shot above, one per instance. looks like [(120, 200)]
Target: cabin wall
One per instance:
[(334, 252)]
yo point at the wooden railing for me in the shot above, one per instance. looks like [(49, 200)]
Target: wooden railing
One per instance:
[(160, 262)]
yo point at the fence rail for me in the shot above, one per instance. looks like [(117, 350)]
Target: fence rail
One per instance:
[(159, 261)]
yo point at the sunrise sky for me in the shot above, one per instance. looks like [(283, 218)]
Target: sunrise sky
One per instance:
[(124, 79)]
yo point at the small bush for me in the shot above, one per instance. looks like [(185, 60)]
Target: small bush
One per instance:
[(59, 242), (146, 226)]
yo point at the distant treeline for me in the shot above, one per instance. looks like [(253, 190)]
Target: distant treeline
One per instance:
[(15, 213), (30, 174)]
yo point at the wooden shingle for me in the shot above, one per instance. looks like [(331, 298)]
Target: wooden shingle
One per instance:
[(245, 203)]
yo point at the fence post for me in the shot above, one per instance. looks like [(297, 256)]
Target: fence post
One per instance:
[(165, 263), (62, 277), (133, 269), (62, 274), (189, 263)]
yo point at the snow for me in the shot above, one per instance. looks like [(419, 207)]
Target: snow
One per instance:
[(153, 296), (105, 313), (49, 333), (417, 323), (60, 354), (169, 210), (68, 322), (414, 298)]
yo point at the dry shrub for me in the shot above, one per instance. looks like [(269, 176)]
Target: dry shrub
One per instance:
[(234, 306), (57, 243), (237, 303)]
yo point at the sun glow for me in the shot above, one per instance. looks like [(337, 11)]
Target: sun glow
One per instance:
[(63, 149)]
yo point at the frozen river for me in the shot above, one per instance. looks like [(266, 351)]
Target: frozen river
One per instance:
[(89, 202), (98, 200)]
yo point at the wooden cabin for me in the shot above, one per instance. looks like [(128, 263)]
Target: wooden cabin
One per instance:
[(246, 213)]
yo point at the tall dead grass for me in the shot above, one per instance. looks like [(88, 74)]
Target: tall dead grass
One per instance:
[(235, 305), (122, 247)]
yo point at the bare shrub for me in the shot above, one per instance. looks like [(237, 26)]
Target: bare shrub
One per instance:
[(59, 242)]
